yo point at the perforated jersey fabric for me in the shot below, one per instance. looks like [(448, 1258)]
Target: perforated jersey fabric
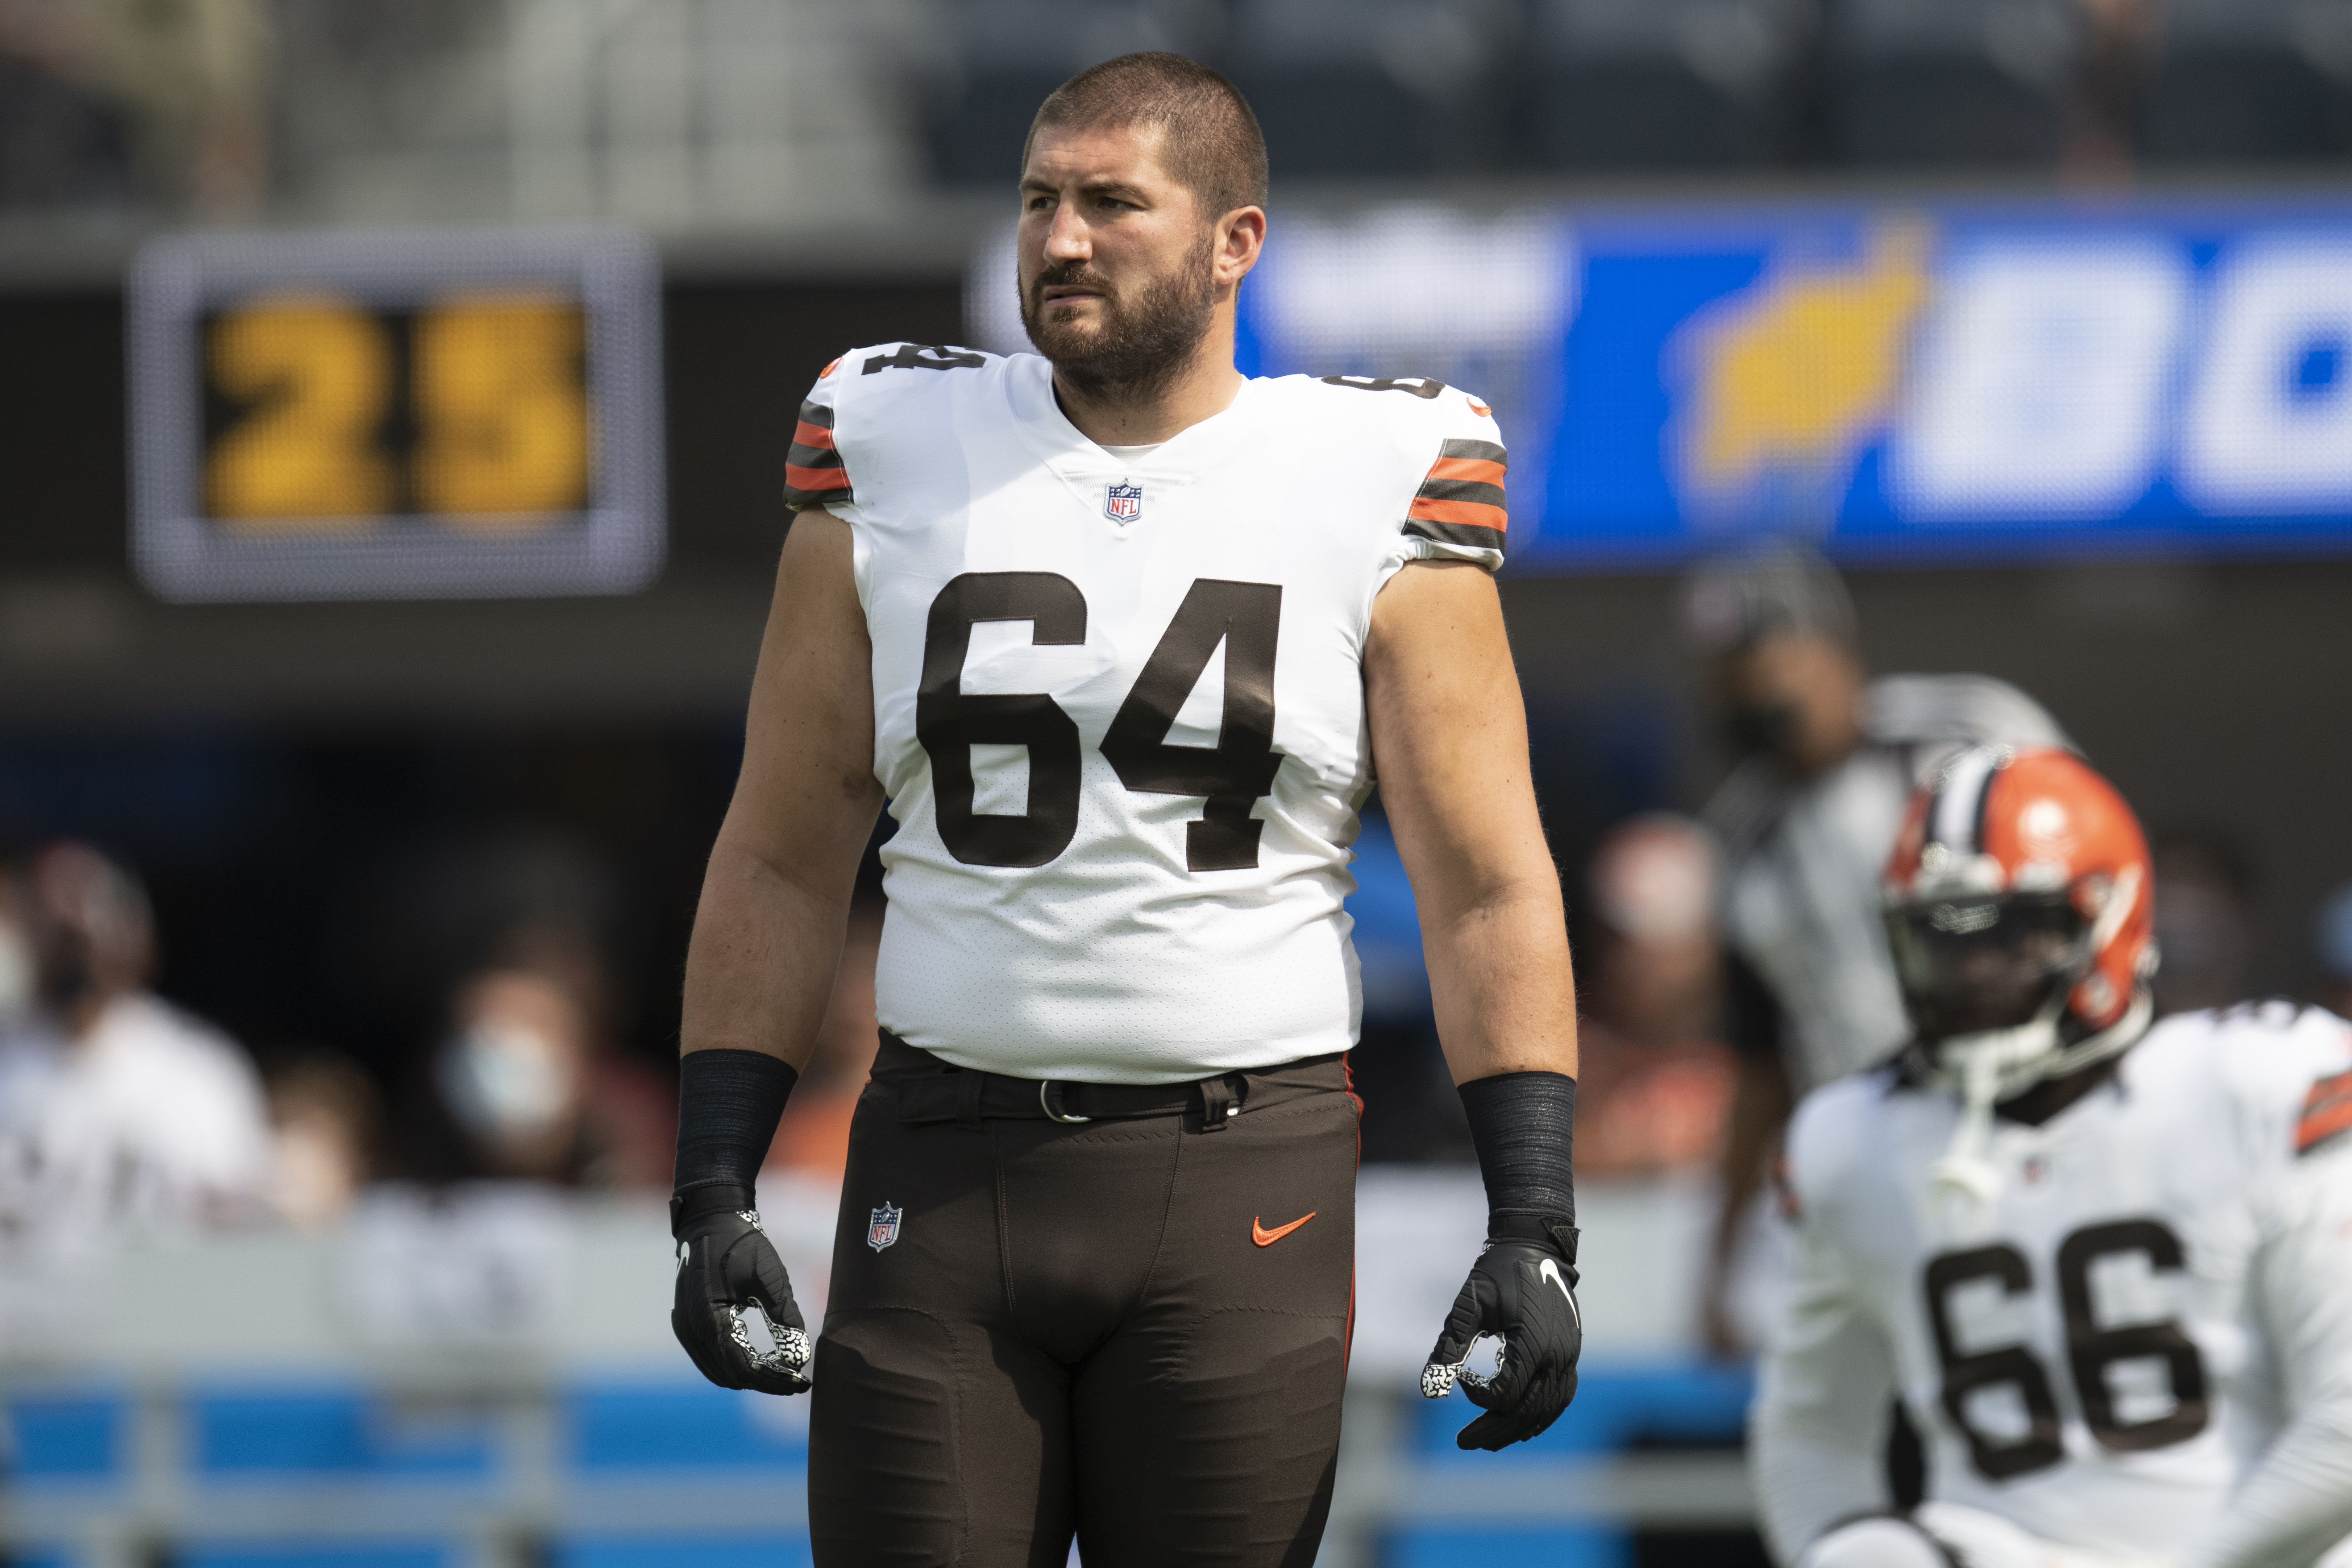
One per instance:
[(2142, 1346), (1118, 700)]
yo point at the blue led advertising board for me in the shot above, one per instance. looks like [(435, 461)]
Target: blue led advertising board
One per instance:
[(1946, 380)]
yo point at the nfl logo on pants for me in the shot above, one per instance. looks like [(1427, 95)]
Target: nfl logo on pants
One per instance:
[(882, 1229), (1122, 503)]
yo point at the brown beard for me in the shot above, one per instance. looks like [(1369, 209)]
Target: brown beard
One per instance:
[(1143, 342)]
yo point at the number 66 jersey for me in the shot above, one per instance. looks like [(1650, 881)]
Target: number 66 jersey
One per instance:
[(2140, 1344), (1118, 702)]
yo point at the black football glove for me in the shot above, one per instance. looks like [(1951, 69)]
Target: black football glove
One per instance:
[(1522, 1290), (726, 1263)]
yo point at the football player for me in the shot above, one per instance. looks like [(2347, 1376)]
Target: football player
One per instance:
[(2108, 1267), (1122, 638)]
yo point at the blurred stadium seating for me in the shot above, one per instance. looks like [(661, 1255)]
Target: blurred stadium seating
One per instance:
[(1635, 85), (2246, 81), (1956, 83)]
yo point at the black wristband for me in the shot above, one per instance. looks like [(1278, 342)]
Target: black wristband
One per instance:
[(700, 1201), (1523, 1125), (728, 1102)]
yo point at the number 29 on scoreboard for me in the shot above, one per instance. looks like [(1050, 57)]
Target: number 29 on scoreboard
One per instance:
[(395, 415)]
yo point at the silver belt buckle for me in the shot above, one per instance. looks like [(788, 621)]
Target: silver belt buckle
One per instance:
[(1045, 1099)]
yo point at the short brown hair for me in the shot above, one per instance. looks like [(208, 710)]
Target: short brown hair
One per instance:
[(1210, 141)]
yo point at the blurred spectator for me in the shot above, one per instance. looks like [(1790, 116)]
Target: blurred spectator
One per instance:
[(630, 1106), (2204, 921), (1653, 1088), (814, 1137), (531, 1087), (1827, 758), (114, 1104), (513, 1075), (2336, 951), (328, 1119)]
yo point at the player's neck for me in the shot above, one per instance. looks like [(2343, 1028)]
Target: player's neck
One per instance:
[(1127, 414), (2038, 1105)]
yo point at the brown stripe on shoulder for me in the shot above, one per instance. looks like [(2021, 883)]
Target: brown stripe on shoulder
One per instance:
[(816, 413), (2326, 1113), (806, 456), (1478, 492)]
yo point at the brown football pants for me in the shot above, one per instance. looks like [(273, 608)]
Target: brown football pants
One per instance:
[(1128, 1327)]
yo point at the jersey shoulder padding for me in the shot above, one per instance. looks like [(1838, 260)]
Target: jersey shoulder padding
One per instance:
[(1836, 1131), (867, 409), (2276, 1073), (1442, 443)]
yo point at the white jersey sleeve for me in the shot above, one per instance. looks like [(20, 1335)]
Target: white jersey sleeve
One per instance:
[(1817, 1432), (2297, 1502), (1118, 697)]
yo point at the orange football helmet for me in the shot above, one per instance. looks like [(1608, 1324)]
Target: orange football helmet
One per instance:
[(2019, 900)]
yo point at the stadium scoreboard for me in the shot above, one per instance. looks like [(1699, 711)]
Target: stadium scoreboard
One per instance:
[(393, 415)]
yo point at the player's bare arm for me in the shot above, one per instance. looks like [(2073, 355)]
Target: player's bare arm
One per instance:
[(1450, 744), (769, 928), (767, 937), (1449, 741)]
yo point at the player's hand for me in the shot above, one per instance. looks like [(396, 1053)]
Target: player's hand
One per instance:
[(726, 1263), (1522, 1292)]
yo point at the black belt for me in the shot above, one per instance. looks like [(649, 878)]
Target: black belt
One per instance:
[(931, 1089)]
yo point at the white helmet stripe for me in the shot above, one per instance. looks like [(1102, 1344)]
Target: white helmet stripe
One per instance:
[(1960, 806)]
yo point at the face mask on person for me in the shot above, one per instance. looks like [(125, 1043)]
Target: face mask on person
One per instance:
[(502, 1082)]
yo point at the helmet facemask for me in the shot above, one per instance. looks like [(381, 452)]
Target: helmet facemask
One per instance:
[(1975, 963)]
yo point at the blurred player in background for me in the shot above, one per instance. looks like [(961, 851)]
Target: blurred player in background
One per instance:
[(1120, 634), (2107, 1267), (1806, 819)]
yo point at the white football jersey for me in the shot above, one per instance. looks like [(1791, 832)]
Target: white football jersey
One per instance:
[(1119, 703), (2157, 1296)]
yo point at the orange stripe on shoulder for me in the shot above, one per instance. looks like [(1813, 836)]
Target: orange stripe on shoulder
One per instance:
[(1470, 514), (800, 478), (809, 434), (2326, 1113)]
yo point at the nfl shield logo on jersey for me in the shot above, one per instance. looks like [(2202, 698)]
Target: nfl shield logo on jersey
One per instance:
[(883, 1228), (1123, 503)]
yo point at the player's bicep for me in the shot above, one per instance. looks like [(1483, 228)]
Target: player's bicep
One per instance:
[(807, 798), (1449, 736)]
